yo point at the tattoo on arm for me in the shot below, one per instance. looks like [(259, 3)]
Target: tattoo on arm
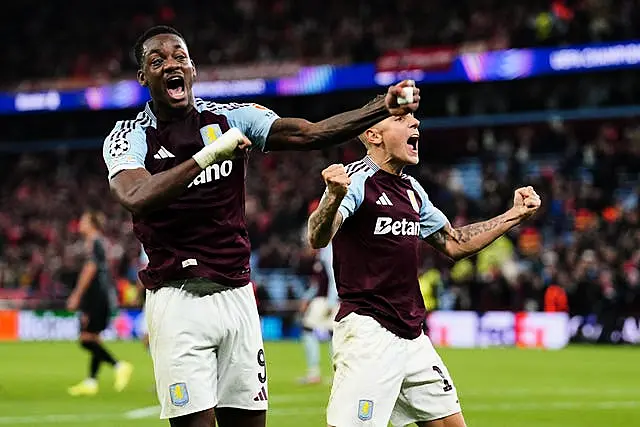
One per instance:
[(300, 134), (468, 232), (460, 242), (324, 222)]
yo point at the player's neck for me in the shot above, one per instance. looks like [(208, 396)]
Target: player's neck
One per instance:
[(169, 114), (92, 235), (386, 163)]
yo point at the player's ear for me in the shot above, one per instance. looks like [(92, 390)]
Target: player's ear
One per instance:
[(141, 78), (193, 65), (373, 136)]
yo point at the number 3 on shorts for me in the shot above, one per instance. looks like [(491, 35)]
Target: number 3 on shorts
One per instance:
[(262, 376), (447, 384)]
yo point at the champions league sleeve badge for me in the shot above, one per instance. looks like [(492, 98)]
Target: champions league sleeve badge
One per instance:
[(119, 147)]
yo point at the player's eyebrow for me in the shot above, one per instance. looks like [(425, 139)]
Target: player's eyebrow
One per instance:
[(152, 51), (159, 51)]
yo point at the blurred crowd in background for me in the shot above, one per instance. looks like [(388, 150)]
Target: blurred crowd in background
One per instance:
[(331, 31), (580, 253)]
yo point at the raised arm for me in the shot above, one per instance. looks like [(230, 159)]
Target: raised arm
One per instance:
[(458, 243), (325, 221), (300, 134)]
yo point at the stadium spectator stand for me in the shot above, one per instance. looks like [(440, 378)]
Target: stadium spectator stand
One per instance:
[(584, 246), (251, 31)]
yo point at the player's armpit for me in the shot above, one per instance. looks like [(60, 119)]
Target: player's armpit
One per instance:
[(299, 134), (140, 192)]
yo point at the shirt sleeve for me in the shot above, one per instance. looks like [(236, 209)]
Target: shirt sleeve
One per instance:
[(431, 218), (124, 148), (354, 197), (253, 120)]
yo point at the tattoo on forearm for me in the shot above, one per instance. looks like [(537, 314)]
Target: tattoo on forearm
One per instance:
[(321, 222), (468, 232), (470, 238)]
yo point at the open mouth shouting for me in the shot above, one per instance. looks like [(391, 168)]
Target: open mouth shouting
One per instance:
[(412, 143), (175, 88)]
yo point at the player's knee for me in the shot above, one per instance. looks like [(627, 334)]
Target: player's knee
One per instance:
[(199, 419), (88, 337), (87, 344), (455, 420), (234, 417)]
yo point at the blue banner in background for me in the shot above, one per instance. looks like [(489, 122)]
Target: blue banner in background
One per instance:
[(467, 67)]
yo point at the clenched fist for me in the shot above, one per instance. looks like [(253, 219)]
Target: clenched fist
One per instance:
[(337, 180), (391, 99), (526, 202)]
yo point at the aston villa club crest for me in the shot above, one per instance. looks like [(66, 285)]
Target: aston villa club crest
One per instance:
[(210, 133), (179, 394), (365, 410), (413, 200)]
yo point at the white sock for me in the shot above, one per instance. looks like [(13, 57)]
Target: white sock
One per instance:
[(312, 352), (91, 381)]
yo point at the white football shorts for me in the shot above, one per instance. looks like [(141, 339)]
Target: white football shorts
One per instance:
[(318, 315), (207, 351), (381, 377)]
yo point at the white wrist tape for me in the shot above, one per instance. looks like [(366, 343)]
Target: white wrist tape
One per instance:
[(222, 148), (407, 96)]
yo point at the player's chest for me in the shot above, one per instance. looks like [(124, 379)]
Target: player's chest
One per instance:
[(392, 210), (172, 143)]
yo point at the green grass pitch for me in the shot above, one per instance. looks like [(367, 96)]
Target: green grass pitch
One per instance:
[(575, 387)]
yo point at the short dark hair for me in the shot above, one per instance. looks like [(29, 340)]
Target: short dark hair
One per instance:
[(152, 32)]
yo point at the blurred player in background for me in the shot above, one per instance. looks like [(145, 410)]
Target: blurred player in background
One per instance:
[(180, 168), (95, 297), (386, 367), (319, 307)]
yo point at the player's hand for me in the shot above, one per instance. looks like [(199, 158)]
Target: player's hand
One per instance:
[(303, 306), (73, 302), (526, 202), (226, 147), (242, 147), (392, 103), (337, 180), (244, 144)]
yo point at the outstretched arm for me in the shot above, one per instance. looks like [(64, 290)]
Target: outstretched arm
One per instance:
[(300, 134), (325, 221), (458, 243)]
